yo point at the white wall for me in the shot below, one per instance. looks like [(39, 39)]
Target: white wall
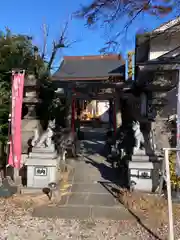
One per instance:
[(163, 44), (103, 110)]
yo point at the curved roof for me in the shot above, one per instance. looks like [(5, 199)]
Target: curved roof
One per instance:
[(90, 67)]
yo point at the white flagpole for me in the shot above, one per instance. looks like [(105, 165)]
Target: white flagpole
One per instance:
[(169, 195), (178, 130)]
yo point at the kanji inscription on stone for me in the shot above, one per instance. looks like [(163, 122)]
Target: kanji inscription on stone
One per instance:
[(40, 171)]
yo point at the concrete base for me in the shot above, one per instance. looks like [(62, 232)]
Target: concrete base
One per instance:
[(140, 175), (41, 176), (42, 167)]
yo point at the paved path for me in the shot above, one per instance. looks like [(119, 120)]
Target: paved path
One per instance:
[(93, 183)]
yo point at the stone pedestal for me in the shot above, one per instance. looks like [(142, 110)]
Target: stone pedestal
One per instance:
[(140, 175), (143, 172), (42, 167)]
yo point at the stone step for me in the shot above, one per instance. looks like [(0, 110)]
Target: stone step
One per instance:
[(89, 198), (142, 158), (43, 155), (83, 212), (140, 165), (44, 150), (42, 162), (145, 158), (139, 152)]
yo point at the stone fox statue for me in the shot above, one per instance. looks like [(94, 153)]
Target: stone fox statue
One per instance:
[(45, 140), (139, 139)]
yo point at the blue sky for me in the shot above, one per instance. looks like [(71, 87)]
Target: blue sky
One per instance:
[(27, 17)]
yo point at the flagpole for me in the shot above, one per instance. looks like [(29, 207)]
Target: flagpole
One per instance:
[(169, 194), (9, 142)]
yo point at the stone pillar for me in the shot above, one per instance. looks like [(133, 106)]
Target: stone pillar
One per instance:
[(73, 115), (68, 113), (118, 111), (110, 113), (93, 103)]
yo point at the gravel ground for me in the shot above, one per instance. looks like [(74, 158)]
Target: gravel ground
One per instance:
[(17, 223)]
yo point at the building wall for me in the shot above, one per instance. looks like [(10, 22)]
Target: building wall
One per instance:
[(98, 108), (163, 44), (163, 39), (158, 46), (142, 50)]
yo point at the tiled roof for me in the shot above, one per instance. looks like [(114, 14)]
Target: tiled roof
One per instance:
[(90, 67), (167, 25)]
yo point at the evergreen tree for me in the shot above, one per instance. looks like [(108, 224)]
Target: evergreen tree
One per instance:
[(16, 52)]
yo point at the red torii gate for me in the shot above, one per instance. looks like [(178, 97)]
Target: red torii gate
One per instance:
[(75, 94), (96, 70)]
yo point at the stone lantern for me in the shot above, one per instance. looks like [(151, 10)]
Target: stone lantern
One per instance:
[(29, 117)]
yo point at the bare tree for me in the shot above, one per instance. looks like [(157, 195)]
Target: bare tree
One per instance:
[(62, 42), (49, 100)]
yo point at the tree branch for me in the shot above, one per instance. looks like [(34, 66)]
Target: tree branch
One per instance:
[(61, 43), (57, 45), (109, 12), (45, 36)]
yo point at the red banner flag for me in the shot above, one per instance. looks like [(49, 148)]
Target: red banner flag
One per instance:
[(15, 138)]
